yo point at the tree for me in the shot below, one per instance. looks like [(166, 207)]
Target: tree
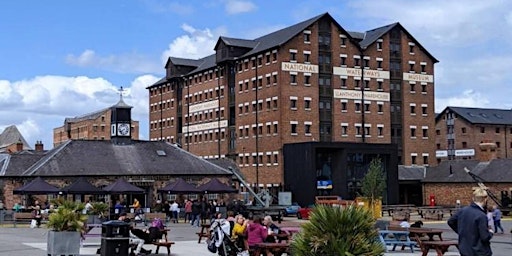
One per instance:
[(373, 183)]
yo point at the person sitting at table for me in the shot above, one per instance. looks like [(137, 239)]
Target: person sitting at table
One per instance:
[(272, 229), (137, 237), (256, 233), (239, 232)]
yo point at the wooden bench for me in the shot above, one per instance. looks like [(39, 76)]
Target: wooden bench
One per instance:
[(441, 247), (166, 244), (25, 217), (204, 232), (396, 238)]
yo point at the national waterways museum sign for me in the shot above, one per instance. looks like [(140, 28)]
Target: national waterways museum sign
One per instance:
[(299, 67), (358, 95)]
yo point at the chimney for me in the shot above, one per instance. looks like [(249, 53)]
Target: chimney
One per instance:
[(39, 146), (487, 151), (19, 146)]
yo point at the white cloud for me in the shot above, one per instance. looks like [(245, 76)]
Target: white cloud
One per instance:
[(194, 45), (468, 98), (44, 102), (123, 63), (239, 6)]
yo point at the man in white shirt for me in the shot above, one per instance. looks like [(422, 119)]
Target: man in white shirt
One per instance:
[(175, 209)]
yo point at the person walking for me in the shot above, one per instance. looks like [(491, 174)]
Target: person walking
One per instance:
[(188, 211), (470, 223), (496, 214)]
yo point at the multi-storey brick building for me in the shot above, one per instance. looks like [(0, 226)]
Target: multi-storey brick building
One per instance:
[(468, 133), (92, 126), (312, 82)]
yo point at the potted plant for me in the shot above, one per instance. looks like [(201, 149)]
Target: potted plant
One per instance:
[(332, 230), (66, 224), (98, 213), (372, 187)]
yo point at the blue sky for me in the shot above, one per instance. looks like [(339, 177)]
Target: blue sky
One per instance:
[(67, 58)]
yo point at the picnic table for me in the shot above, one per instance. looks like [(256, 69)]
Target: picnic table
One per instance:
[(396, 238), (275, 248), (204, 232), (430, 232)]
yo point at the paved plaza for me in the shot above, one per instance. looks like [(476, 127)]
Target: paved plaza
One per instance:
[(23, 241)]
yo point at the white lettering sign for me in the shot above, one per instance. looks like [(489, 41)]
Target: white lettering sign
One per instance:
[(441, 153), (205, 126), (465, 152), (299, 67), (357, 72), (418, 77), (358, 95), (204, 106)]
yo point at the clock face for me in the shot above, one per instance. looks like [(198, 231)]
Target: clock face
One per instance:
[(123, 129)]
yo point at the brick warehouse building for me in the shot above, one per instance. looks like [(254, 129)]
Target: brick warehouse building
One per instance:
[(303, 84), (467, 133)]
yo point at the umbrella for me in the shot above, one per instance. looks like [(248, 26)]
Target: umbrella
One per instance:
[(179, 186), (121, 186), (215, 186), (82, 187), (36, 187)]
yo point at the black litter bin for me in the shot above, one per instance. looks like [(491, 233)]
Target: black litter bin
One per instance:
[(115, 238)]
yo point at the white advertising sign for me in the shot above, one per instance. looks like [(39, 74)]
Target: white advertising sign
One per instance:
[(205, 126), (357, 72), (465, 152), (418, 77), (358, 95), (299, 67), (441, 153), (204, 106)]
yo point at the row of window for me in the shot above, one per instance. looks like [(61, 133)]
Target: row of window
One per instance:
[(414, 158), (270, 57), (450, 130), (271, 158), (270, 79), (464, 144), (206, 95), (271, 104)]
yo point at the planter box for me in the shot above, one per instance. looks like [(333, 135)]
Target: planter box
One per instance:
[(63, 243)]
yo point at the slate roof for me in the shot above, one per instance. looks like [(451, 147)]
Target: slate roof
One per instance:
[(496, 171), (11, 135), (411, 172), (481, 115), (184, 62), (100, 158), (238, 42)]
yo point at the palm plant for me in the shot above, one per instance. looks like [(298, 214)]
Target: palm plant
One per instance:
[(338, 231), (100, 209), (67, 217)]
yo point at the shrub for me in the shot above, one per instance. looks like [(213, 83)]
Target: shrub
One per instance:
[(338, 231), (67, 217)]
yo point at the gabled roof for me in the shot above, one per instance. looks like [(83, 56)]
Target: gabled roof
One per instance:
[(495, 171), (99, 158), (11, 135), (481, 115), (90, 116), (184, 62), (237, 42), (372, 35)]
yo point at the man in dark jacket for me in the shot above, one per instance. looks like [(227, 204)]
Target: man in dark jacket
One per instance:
[(471, 224)]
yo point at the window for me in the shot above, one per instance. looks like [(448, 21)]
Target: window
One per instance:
[(260, 61), (343, 83), (463, 129), (413, 132), (497, 130), (274, 56), (274, 79), (366, 62), (253, 63), (367, 131), (343, 107), (423, 68), (307, 37), (425, 160), (307, 79), (275, 128), (343, 60), (294, 128), (411, 48), (356, 61), (274, 105), (367, 84), (358, 106), (438, 132), (293, 56), (358, 130), (424, 110), (482, 129), (379, 86), (379, 45), (413, 159), (307, 104), (425, 133), (380, 108), (357, 83), (343, 40), (498, 144), (344, 129), (306, 57), (293, 79), (307, 128), (411, 67), (464, 144), (412, 88), (380, 131), (367, 107), (379, 64), (267, 58), (424, 88), (413, 110), (293, 104)]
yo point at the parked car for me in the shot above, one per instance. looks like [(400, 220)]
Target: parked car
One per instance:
[(303, 213), (292, 210)]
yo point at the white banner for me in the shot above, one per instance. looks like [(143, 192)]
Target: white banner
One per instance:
[(356, 72), (299, 67), (205, 126), (418, 77), (358, 95), (204, 106)]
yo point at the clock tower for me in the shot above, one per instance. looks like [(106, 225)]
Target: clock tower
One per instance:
[(121, 118)]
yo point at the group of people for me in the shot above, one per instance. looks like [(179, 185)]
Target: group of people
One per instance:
[(476, 225), (247, 234)]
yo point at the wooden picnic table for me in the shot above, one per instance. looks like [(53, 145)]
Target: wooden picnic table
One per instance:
[(204, 232), (430, 232), (395, 238), (275, 248)]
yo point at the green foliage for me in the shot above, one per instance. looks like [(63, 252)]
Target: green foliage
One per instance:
[(374, 182), (100, 209), (338, 231), (67, 217)]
